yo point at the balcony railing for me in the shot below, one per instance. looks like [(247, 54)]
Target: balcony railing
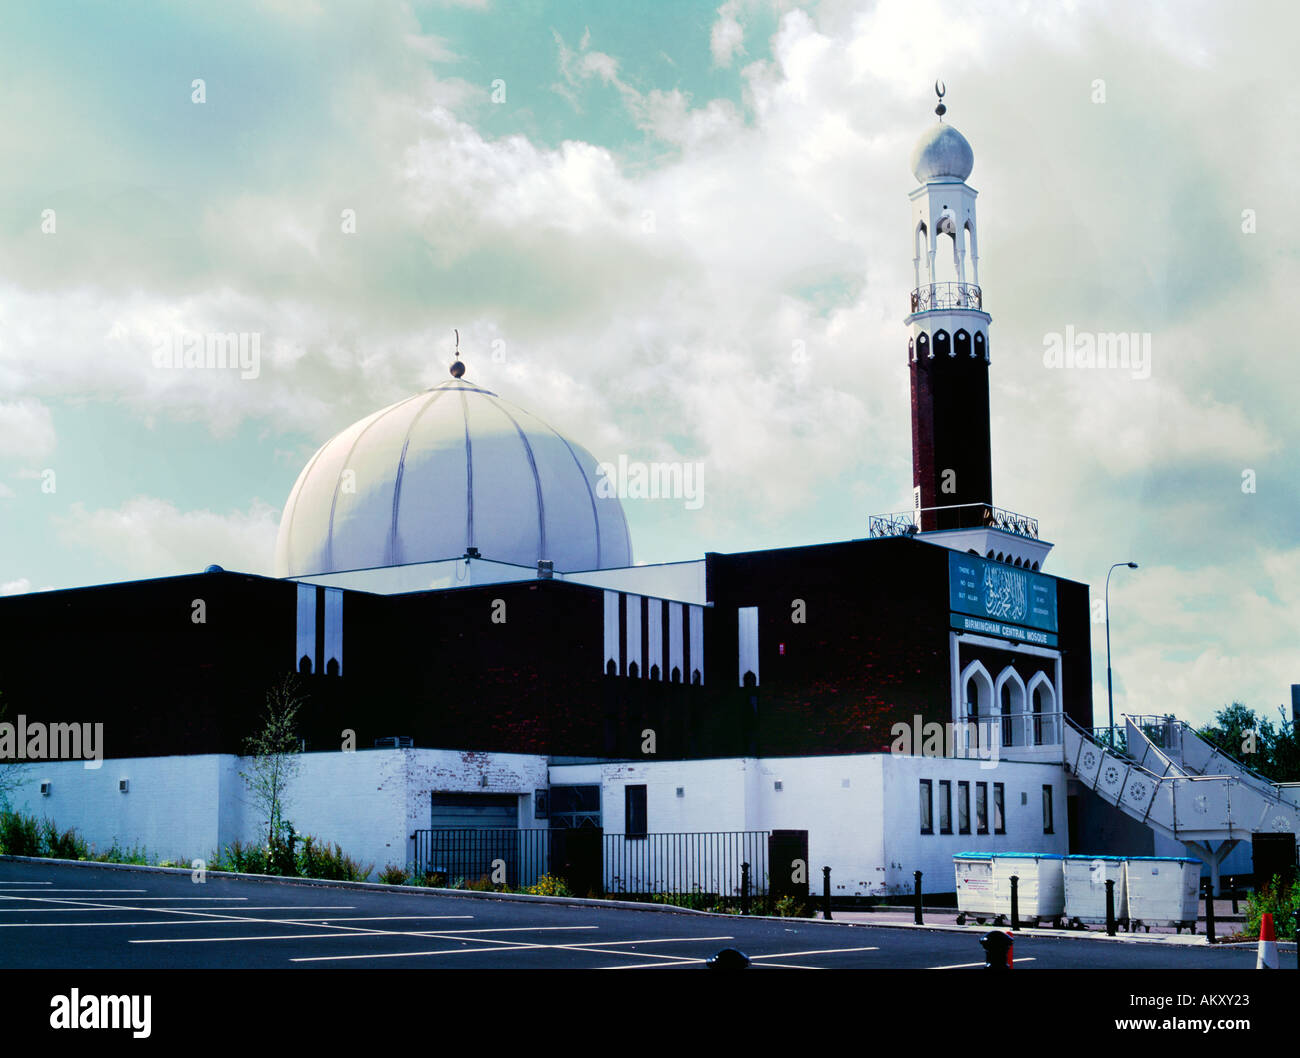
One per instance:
[(906, 523), (934, 296)]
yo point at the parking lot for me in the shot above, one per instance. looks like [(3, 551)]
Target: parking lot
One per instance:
[(62, 916)]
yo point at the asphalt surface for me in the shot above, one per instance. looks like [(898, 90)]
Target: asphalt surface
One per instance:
[(66, 917)]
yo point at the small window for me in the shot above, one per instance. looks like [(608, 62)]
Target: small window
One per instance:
[(999, 808), (1047, 809), (981, 808), (945, 806), (963, 808), (927, 807), (634, 813)]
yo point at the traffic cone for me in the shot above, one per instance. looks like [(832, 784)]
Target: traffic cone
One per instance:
[(1267, 957)]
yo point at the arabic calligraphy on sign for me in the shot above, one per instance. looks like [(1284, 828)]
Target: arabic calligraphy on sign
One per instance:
[(1006, 593)]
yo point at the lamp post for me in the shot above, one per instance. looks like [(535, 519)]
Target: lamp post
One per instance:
[(1110, 691)]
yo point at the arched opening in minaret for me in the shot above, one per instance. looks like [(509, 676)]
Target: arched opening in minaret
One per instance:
[(1013, 705), (961, 344)]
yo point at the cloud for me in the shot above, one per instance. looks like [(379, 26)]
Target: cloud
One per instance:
[(727, 38), (15, 587), (26, 430), (149, 537)]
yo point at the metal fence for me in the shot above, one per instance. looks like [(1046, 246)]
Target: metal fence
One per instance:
[(471, 854), (707, 862)]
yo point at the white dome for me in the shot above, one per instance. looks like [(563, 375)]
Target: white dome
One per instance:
[(448, 469), (942, 153)]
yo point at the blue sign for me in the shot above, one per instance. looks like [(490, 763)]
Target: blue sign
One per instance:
[(1002, 594)]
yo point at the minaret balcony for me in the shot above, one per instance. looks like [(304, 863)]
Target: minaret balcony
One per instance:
[(982, 515), (940, 296)]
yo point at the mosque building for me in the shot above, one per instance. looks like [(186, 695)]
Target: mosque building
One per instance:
[(458, 598)]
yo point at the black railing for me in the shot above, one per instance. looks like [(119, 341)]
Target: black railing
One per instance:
[(456, 856), (708, 862), (947, 296), (903, 523)]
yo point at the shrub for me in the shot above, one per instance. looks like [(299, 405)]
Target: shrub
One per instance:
[(791, 907), (549, 885), (393, 875), (320, 859), (20, 835), (1281, 901), (63, 846)]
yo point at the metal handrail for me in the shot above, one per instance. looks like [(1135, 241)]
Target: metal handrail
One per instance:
[(936, 296), (900, 523)]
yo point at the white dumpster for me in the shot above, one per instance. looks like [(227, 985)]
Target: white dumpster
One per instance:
[(1085, 888), (1041, 889), (974, 886), (1163, 891)]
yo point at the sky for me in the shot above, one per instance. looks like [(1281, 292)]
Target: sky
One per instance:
[(678, 232)]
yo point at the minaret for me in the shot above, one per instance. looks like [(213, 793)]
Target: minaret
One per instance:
[(948, 343)]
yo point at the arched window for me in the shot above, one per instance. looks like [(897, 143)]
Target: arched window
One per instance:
[(304, 665), (976, 702), (1012, 705), (332, 667), (611, 667), (961, 344), (676, 676), (632, 670), (923, 346), (1042, 698), (695, 677), (980, 349), (942, 346), (654, 672)]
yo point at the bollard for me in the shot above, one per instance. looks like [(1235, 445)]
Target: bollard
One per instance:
[(916, 917), (1209, 911), (728, 959), (997, 950), (1110, 907), (1015, 901), (1297, 939), (826, 893), (744, 889), (1232, 885)]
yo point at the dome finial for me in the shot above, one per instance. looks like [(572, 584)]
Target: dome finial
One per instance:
[(940, 89), (457, 368)]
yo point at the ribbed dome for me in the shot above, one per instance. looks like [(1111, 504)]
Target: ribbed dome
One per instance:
[(942, 153), (448, 469)]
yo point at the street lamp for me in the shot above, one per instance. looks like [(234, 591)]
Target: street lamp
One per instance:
[(1110, 692)]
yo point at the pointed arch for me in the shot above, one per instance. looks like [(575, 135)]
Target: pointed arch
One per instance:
[(976, 699), (1041, 699), (1012, 701)]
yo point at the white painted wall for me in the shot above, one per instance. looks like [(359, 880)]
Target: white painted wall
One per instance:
[(181, 808), (909, 850), (861, 811)]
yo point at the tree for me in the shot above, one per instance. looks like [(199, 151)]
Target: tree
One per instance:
[(12, 774), (272, 755), (1252, 739)]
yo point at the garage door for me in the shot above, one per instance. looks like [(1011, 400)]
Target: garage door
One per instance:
[(471, 832), (475, 810)]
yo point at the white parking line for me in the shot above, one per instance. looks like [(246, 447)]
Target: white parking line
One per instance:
[(134, 900), (682, 961), (974, 965), (8, 891), (26, 883), (242, 907), (423, 934), (510, 946)]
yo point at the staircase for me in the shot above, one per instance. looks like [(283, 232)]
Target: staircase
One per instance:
[(1181, 787)]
